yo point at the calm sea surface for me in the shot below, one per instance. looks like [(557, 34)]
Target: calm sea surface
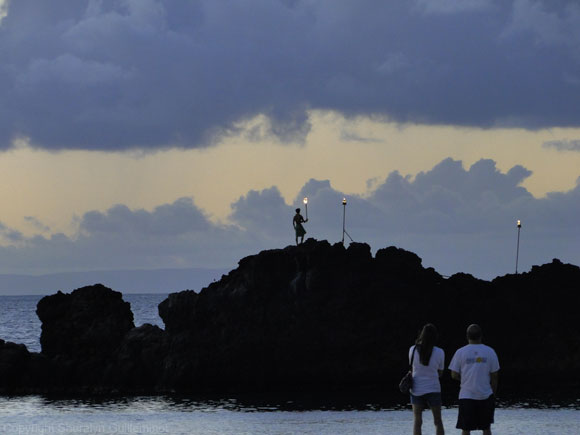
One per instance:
[(19, 322), (171, 415)]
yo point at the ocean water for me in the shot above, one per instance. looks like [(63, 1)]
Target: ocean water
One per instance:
[(36, 414), (19, 322), (162, 415)]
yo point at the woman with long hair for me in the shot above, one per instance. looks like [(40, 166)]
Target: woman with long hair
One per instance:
[(428, 362)]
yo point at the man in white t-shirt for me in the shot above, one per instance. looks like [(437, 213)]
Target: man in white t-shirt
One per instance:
[(476, 366)]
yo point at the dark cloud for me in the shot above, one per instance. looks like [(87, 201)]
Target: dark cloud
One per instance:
[(36, 224), (449, 199), (455, 218), (10, 235), (178, 218), (563, 145), (451, 6), (264, 214), (350, 136), (119, 74), (171, 235)]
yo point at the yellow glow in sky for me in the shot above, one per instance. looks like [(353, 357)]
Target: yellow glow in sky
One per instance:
[(56, 187), (3, 9)]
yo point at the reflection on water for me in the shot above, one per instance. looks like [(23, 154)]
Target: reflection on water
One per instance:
[(261, 415), (545, 401), (254, 403)]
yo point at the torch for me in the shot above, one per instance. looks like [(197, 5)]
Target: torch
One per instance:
[(518, 245), (305, 200)]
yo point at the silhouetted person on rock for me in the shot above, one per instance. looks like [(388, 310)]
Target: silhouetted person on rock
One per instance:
[(476, 366), (298, 228)]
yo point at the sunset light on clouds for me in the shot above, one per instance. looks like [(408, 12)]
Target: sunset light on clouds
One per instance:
[(148, 134)]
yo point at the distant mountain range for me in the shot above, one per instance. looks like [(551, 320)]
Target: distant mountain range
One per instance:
[(125, 281)]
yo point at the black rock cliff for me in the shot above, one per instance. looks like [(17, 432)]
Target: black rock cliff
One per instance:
[(309, 317)]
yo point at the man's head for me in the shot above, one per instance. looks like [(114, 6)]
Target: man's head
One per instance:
[(474, 333)]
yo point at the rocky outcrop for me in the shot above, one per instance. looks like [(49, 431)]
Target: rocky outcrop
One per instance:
[(139, 361), (315, 316), (22, 371), (310, 317), (82, 331)]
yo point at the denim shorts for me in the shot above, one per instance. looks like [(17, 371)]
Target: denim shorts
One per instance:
[(427, 400)]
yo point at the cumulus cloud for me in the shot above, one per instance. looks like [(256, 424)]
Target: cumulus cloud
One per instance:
[(170, 219), (36, 224), (122, 74), (264, 213), (169, 236), (455, 218), (9, 235)]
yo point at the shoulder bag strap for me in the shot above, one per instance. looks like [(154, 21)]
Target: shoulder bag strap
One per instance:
[(412, 357)]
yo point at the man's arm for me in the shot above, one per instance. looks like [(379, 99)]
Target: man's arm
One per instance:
[(455, 375), (494, 377)]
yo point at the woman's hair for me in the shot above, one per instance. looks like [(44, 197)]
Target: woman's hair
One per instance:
[(425, 343)]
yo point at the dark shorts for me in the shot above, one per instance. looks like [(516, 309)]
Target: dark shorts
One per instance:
[(475, 414), (426, 400)]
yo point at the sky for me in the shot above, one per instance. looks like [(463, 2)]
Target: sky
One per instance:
[(150, 134)]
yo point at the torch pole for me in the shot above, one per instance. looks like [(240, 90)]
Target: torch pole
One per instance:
[(343, 218), (518, 246)]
